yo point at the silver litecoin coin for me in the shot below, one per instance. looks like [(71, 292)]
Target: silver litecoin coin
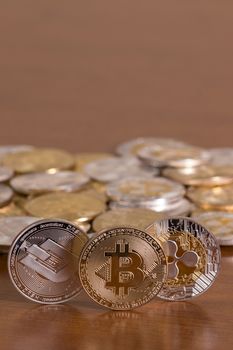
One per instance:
[(7, 149), (193, 257), (5, 173), (43, 261), (115, 168), (158, 190), (10, 226), (220, 224), (67, 181), (133, 146), (6, 195)]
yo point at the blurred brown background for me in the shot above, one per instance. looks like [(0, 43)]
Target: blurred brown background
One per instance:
[(87, 75)]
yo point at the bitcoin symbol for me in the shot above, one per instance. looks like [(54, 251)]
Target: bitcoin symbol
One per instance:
[(125, 269)]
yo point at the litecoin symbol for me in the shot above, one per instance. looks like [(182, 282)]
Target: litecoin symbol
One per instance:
[(122, 271)]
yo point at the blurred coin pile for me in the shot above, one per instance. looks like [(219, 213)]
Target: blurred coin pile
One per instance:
[(144, 180)]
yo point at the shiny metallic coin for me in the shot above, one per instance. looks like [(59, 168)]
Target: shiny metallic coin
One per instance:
[(39, 160), (8, 149), (82, 159), (5, 173), (214, 198), (67, 181), (159, 190), (193, 257), (122, 268), (220, 224), (133, 146), (135, 217), (10, 227), (188, 156), (43, 261), (221, 156), (6, 195), (115, 168), (183, 207), (78, 207), (205, 175)]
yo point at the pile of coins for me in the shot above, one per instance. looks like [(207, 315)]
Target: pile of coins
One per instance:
[(102, 195)]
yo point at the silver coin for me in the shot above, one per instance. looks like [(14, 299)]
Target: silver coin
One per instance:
[(193, 257), (158, 190), (5, 173), (6, 195), (10, 227), (43, 261), (161, 156), (221, 156), (7, 149), (219, 223), (67, 181), (115, 168), (183, 207), (132, 147)]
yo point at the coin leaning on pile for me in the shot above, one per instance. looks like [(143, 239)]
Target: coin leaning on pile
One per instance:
[(149, 180)]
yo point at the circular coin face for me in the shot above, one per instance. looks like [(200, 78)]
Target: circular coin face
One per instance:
[(81, 206), (40, 159), (215, 198), (135, 217), (138, 189), (10, 226), (122, 268), (132, 147), (67, 181), (6, 195), (220, 223), (5, 173), (193, 257), (205, 175), (43, 261), (175, 157), (115, 168)]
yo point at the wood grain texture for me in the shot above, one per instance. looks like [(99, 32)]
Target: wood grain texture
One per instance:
[(86, 76)]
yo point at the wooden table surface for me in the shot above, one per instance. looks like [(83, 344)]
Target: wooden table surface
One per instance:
[(85, 76)]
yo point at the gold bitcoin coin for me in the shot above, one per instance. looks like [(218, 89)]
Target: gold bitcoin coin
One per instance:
[(214, 198), (193, 257), (206, 175), (40, 159), (82, 159), (122, 268), (135, 217), (80, 207)]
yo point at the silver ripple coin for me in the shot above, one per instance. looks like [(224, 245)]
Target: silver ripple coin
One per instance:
[(7, 149), (193, 257)]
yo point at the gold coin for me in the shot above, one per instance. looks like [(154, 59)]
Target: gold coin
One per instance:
[(135, 217), (100, 195), (122, 268), (216, 198), (39, 160), (11, 210), (82, 159), (81, 207), (206, 175)]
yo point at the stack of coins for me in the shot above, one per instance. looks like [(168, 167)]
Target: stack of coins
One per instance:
[(148, 179)]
